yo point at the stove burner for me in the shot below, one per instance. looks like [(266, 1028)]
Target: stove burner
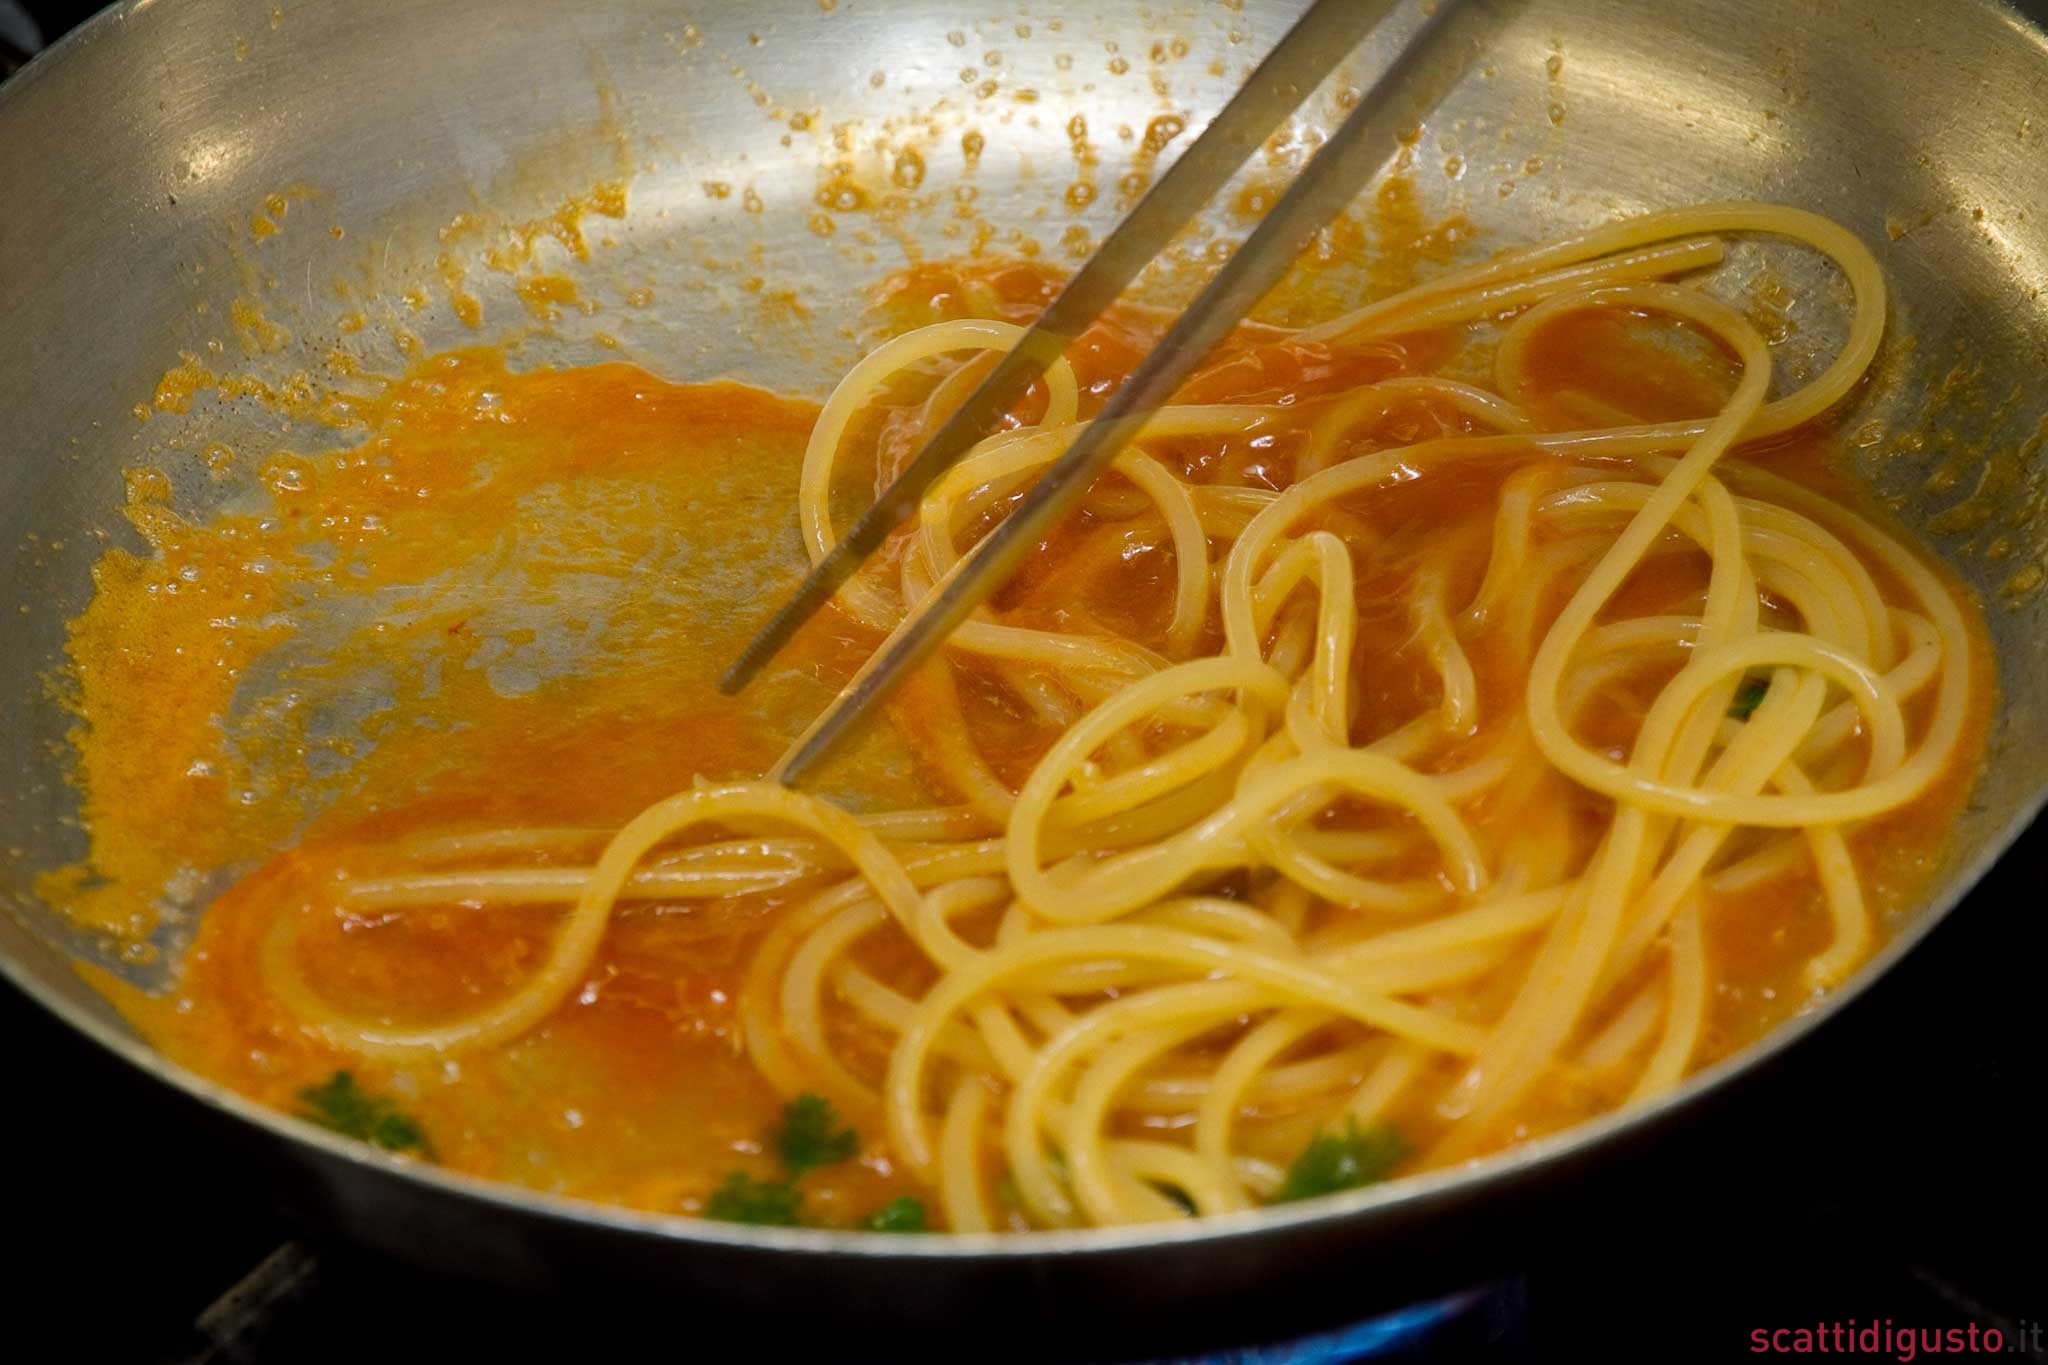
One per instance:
[(305, 1306), (1478, 1324)]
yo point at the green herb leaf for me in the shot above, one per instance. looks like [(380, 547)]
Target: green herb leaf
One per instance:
[(764, 1203), (1342, 1160), (903, 1214), (354, 1112), (1179, 1197), (1747, 696), (811, 1136)]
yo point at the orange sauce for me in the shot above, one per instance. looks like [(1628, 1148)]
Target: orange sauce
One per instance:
[(539, 575)]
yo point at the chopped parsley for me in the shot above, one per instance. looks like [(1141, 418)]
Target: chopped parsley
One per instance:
[(1748, 696), (903, 1214), (1179, 1198), (764, 1203), (352, 1111), (1342, 1160), (811, 1136)]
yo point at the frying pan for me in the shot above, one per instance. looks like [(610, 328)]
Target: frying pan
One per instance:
[(134, 156)]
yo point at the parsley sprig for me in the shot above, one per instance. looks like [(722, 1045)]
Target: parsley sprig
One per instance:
[(1747, 697), (352, 1111), (764, 1203), (810, 1136), (902, 1214), (1342, 1159)]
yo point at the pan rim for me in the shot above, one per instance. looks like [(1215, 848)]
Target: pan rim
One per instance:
[(1409, 1194), (1417, 1194)]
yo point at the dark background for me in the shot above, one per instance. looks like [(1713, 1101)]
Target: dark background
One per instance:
[(1890, 1167)]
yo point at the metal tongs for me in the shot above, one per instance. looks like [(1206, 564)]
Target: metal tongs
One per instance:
[(1431, 52)]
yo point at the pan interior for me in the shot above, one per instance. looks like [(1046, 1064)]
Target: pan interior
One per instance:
[(265, 188)]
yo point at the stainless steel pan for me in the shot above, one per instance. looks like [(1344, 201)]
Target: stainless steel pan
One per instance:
[(133, 157)]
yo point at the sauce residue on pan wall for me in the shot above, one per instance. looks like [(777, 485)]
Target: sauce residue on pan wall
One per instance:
[(507, 607)]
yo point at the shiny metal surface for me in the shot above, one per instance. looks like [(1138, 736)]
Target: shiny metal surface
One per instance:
[(1432, 55), (134, 155), (1289, 73)]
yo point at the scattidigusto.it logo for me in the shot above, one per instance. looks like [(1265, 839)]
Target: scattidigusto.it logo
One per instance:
[(1887, 1338)]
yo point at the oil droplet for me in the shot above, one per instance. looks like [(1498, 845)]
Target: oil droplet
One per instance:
[(1454, 167), (1080, 194), (908, 172), (1077, 241), (1554, 64), (822, 224), (1556, 114), (750, 201), (146, 484), (957, 38), (285, 473), (1118, 66), (840, 194), (640, 298), (971, 146), (1255, 200), (217, 459), (1163, 130)]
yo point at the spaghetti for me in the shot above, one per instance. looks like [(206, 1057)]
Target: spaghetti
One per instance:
[(1222, 887)]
